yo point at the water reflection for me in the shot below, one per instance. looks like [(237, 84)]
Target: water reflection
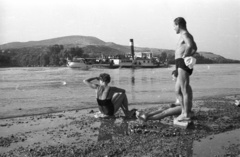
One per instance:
[(133, 80), (112, 129), (213, 144), (182, 147), (133, 83), (109, 128)]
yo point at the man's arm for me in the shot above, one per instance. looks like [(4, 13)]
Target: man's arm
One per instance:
[(189, 43), (90, 84), (117, 90)]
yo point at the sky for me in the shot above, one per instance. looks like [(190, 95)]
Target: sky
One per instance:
[(215, 24)]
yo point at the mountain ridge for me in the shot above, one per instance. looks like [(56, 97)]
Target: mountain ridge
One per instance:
[(66, 40), (95, 45)]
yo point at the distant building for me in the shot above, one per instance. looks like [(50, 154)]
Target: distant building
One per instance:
[(147, 55), (143, 55)]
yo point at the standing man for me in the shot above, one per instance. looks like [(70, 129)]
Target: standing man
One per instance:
[(186, 47)]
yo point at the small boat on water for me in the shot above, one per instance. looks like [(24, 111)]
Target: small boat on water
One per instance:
[(78, 63)]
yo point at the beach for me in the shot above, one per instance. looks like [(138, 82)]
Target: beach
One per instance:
[(79, 133), (48, 111), (173, 57)]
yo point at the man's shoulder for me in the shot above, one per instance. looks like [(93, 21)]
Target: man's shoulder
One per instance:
[(187, 34), (113, 88)]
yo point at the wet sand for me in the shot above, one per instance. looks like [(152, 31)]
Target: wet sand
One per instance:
[(215, 132)]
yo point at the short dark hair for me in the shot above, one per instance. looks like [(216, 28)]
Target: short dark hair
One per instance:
[(181, 22), (175, 73), (105, 77)]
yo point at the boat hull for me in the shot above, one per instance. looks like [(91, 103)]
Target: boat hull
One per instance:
[(140, 66), (79, 65), (126, 66)]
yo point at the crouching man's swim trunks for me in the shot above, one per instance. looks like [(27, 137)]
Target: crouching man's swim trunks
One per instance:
[(181, 64)]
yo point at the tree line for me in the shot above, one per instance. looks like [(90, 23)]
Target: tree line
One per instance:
[(56, 55), (171, 58)]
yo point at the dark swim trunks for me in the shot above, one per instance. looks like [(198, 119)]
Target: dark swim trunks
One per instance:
[(106, 106), (181, 64)]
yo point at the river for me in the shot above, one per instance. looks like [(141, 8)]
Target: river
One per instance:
[(60, 88)]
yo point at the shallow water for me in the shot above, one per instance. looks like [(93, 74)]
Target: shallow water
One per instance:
[(62, 88), (215, 145)]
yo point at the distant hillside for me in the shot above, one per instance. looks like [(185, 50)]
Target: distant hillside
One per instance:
[(91, 47), (211, 55), (98, 50), (88, 43), (68, 40)]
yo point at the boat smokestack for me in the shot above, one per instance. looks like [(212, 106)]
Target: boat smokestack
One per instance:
[(132, 48)]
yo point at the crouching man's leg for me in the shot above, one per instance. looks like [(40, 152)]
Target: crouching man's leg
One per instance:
[(120, 100)]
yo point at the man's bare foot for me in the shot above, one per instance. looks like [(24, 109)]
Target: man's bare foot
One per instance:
[(182, 117), (237, 103), (140, 116), (132, 113), (100, 115), (174, 105)]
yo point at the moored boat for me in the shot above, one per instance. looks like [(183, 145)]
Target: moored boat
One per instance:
[(78, 63)]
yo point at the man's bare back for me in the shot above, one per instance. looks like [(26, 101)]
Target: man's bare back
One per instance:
[(186, 46)]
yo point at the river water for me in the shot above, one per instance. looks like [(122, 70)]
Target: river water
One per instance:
[(58, 88)]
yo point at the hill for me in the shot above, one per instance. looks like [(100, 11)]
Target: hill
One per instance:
[(53, 51), (68, 40), (91, 45)]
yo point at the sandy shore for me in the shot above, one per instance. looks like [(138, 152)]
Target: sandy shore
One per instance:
[(215, 132)]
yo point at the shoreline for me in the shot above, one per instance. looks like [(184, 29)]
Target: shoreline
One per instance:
[(78, 133), (50, 110)]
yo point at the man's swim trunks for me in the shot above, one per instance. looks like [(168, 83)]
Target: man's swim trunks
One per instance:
[(181, 64)]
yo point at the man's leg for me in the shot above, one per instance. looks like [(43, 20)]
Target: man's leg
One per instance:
[(178, 92), (186, 92), (149, 114), (190, 99), (144, 116), (168, 112), (120, 100)]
